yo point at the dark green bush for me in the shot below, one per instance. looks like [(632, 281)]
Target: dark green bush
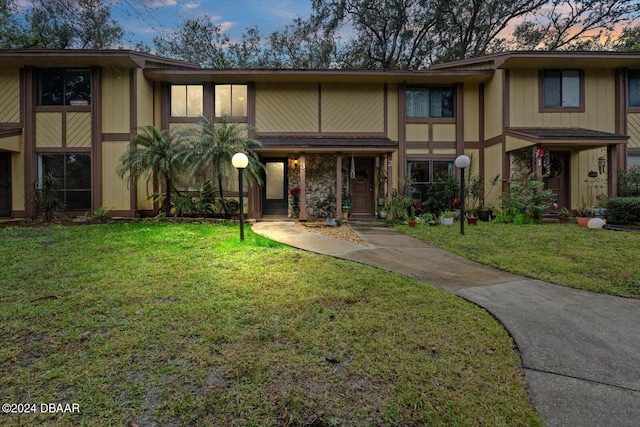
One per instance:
[(623, 210)]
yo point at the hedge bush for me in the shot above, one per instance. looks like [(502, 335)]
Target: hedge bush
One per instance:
[(623, 210)]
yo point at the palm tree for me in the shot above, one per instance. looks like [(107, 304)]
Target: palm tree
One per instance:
[(157, 154), (214, 144)]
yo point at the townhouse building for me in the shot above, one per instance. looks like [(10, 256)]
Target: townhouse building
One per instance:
[(355, 134)]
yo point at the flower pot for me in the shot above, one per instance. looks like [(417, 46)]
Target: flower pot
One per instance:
[(486, 215), (413, 223), (472, 220), (381, 201), (382, 214), (331, 222), (583, 220), (446, 221)]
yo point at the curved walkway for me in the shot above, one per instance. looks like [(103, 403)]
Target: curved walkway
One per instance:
[(580, 350)]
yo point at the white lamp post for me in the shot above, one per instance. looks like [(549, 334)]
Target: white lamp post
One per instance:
[(462, 162), (240, 161)]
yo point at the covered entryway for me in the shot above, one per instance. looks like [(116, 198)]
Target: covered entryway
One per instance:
[(556, 169), (5, 184), (361, 179), (274, 193)]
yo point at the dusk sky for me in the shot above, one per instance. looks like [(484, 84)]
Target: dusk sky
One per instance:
[(142, 19)]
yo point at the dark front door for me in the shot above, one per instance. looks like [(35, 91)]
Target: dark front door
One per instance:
[(5, 184), (557, 168), (274, 194), (362, 188)]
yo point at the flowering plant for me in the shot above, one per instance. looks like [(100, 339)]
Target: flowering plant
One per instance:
[(295, 192)]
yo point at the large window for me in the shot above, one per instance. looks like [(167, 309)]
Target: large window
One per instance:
[(425, 102), (59, 86), (231, 100), (634, 88), (73, 174), (425, 173), (186, 100), (562, 89)]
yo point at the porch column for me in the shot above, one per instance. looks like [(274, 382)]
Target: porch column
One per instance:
[(303, 188), (389, 160), (339, 186), (612, 176)]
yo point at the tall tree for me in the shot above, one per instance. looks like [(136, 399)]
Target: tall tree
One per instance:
[(303, 45), (387, 33), (11, 30), (213, 144), (470, 28), (197, 40), (60, 24), (575, 24)]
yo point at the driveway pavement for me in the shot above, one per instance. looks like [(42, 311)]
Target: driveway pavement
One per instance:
[(580, 350)]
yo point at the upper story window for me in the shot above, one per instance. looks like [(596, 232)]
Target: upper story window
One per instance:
[(58, 86), (425, 102), (186, 100), (562, 89), (231, 100), (634, 88)]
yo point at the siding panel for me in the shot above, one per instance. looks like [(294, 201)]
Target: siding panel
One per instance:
[(353, 108), (115, 194), (286, 108), (79, 130), (49, 130), (633, 129), (10, 99)]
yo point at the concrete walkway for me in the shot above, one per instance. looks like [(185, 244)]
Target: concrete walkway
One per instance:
[(580, 350)]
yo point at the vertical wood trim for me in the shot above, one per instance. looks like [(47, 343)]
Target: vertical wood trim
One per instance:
[(28, 99), (319, 108), (207, 99), (506, 121), (251, 109), (96, 137), (402, 132), (459, 118), (339, 185), (133, 124), (481, 118), (430, 137), (621, 114), (386, 110), (612, 176), (303, 187), (63, 129)]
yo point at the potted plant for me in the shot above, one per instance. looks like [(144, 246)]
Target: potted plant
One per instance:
[(600, 210), (412, 218), (583, 214), (565, 216), (327, 210), (446, 218), (485, 213)]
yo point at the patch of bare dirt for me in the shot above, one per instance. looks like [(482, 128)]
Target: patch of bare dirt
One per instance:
[(342, 232)]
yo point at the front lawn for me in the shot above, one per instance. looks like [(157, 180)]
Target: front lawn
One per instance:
[(167, 324), (596, 260)]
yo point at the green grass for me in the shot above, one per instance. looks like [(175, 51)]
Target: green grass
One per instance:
[(601, 261), (173, 324)]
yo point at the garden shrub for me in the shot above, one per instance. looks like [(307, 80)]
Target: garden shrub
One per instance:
[(629, 182), (623, 211)]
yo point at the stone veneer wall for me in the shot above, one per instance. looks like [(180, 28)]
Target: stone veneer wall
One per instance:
[(320, 176)]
